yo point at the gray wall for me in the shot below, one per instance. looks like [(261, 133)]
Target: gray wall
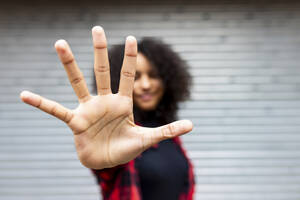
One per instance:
[(245, 102)]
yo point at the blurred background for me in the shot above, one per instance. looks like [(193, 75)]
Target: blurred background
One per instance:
[(245, 61)]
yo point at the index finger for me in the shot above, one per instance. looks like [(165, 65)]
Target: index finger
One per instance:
[(129, 67), (74, 74)]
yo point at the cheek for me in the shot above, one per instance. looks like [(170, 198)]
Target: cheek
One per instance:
[(136, 91), (135, 87), (159, 88)]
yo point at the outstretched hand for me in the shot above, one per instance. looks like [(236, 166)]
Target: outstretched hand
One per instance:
[(105, 134)]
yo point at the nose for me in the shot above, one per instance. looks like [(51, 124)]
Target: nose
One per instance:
[(145, 82)]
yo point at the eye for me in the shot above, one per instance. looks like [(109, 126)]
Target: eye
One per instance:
[(154, 74), (137, 75)]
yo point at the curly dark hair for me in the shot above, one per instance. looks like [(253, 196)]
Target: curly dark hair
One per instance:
[(172, 70)]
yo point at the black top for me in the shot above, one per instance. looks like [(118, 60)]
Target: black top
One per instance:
[(162, 170)]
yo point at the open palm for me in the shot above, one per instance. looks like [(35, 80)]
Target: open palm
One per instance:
[(105, 134)]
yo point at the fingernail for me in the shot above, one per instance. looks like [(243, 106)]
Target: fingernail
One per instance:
[(187, 125), (25, 94), (60, 44), (97, 29), (131, 39)]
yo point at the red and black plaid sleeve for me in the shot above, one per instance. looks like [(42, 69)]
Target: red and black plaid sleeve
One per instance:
[(119, 183), (189, 189)]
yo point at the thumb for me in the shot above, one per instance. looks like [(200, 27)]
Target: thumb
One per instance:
[(168, 131)]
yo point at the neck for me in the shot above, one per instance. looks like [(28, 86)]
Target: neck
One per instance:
[(147, 117)]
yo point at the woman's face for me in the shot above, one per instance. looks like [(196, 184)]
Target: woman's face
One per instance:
[(148, 86)]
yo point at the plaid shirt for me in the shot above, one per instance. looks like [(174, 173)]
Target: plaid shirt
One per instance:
[(122, 182)]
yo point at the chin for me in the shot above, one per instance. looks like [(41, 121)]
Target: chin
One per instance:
[(147, 107)]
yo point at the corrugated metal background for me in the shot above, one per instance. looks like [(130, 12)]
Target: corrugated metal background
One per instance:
[(245, 103)]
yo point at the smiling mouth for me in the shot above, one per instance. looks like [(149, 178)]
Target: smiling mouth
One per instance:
[(145, 97)]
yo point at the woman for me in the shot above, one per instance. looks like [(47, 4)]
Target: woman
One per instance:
[(156, 94), (105, 135)]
